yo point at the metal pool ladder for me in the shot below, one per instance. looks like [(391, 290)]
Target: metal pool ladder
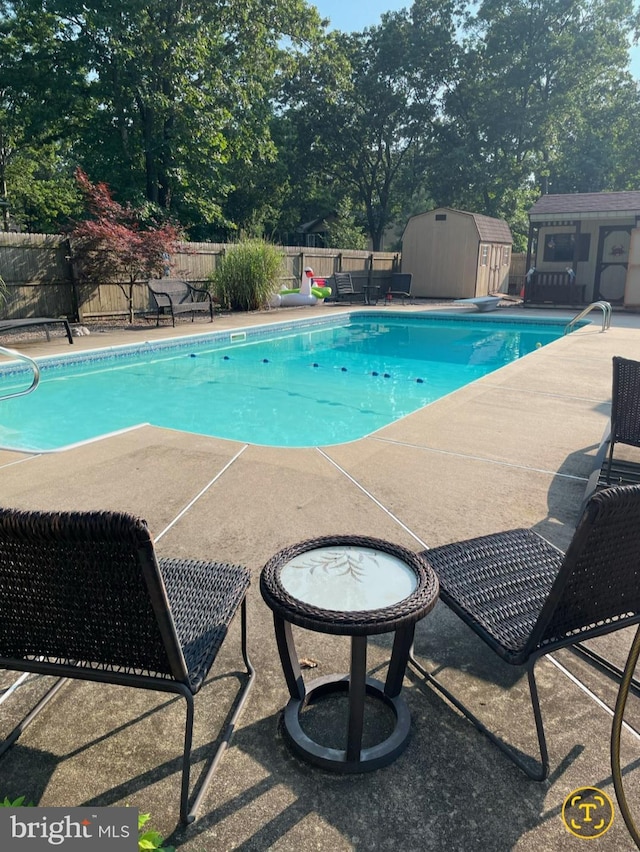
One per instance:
[(12, 353), (605, 307)]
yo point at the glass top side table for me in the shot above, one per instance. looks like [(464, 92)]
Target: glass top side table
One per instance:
[(352, 586)]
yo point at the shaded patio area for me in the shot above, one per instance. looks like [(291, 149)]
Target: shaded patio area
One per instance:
[(513, 449)]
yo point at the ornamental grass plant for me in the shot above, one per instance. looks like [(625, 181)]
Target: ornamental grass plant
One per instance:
[(248, 275)]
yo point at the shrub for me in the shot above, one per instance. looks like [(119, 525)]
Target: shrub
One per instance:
[(117, 245), (247, 276), (4, 292)]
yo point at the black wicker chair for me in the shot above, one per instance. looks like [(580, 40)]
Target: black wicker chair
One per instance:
[(623, 428), (625, 419), (82, 595), (525, 598)]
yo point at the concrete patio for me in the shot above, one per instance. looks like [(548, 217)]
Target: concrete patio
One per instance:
[(513, 449)]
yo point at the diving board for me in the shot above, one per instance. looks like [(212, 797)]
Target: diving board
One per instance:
[(482, 303)]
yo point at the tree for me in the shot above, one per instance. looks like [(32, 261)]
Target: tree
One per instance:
[(44, 195), (364, 103), (344, 232), (599, 147), (40, 85), (511, 113), (179, 88), (117, 245)]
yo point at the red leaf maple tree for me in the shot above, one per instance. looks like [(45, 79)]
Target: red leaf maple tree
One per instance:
[(117, 245)]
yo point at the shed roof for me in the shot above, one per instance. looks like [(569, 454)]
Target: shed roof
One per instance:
[(490, 230), (577, 203)]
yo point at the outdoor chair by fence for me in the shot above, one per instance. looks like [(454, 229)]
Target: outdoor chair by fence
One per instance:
[(179, 297), (83, 595), (343, 290), (400, 287), (45, 322), (525, 598)]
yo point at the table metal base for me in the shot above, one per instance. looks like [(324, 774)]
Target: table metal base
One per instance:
[(347, 760)]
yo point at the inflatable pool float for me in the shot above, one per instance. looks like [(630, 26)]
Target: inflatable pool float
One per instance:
[(295, 297), (311, 291)]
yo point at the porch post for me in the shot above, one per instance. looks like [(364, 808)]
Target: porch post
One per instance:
[(576, 246), (532, 228)]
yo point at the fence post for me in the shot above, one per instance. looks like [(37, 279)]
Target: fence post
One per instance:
[(75, 295)]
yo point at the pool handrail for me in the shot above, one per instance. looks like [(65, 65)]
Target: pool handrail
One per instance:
[(13, 353), (605, 307)]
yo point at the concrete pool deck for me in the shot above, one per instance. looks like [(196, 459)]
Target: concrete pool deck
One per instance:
[(513, 449)]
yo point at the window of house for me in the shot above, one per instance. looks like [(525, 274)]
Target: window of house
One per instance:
[(506, 255), (441, 217), (558, 248), (484, 255)]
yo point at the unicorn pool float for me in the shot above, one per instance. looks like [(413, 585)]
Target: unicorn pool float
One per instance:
[(311, 291)]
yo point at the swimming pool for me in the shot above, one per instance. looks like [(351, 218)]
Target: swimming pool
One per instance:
[(298, 384)]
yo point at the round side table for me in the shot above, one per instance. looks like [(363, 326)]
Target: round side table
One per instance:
[(350, 586)]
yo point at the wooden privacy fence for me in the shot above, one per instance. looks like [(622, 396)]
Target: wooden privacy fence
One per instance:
[(517, 273), (40, 277)]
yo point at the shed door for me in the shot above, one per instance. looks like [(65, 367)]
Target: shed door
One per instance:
[(611, 263), (494, 273)]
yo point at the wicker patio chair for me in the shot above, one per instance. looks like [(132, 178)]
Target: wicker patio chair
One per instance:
[(625, 418), (82, 595), (525, 598), (623, 428)]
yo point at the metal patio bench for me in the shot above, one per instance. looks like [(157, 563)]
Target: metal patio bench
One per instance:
[(179, 297), (83, 596), (525, 598), (560, 288)]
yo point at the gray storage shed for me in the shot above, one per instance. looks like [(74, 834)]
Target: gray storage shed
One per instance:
[(453, 254)]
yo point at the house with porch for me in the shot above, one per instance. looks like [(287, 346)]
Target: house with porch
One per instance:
[(583, 248)]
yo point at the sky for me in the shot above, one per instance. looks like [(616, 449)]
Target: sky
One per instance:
[(355, 15)]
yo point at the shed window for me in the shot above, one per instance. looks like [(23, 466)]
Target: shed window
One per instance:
[(441, 217), (558, 248), (484, 255), (506, 255)]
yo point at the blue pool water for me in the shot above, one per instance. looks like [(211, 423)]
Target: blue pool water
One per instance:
[(290, 386)]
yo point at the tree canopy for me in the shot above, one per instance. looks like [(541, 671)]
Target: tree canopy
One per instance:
[(250, 118)]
